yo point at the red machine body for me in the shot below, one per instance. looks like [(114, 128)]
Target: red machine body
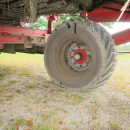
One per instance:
[(106, 13)]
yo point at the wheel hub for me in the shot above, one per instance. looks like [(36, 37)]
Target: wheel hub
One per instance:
[(79, 57)]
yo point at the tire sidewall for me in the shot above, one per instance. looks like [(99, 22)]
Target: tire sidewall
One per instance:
[(88, 35)]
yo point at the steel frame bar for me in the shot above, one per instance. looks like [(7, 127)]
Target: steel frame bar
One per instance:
[(124, 52), (52, 18), (20, 31), (122, 37), (20, 35)]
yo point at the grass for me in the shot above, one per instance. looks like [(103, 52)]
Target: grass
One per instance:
[(121, 78), (76, 98), (47, 86), (47, 116), (10, 96), (29, 125), (5, 84), (4, 87), (96, 125), (42, 127), (1, 75), (16, 123), (12, 81), (1, 122), (23, 65), (114, 125), (20, 63), (31, 86), (20, 91), (37, 99)]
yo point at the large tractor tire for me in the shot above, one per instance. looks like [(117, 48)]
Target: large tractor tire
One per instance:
[(80, 55)]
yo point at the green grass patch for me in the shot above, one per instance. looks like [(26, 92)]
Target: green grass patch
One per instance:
[(5, 84), (42, 126), (10, 96), (2, 89), (1, 75), (114, 125), (18, 91), (127, 56), (120, 79), (47, 86), (16, 123), (21, 91), (20, 63), (77, 98), (12, 81), (1, 122), (31, 86)]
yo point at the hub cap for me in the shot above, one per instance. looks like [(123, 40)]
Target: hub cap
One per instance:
[(78, 57)]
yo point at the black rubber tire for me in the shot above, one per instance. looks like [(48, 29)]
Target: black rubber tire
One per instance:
[(103, 54)]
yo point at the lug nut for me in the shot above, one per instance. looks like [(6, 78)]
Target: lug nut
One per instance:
[(89, 55)]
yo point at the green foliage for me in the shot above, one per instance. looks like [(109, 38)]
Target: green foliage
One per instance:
[(42, 22), (125, 47), (108, 24), (66, 17)]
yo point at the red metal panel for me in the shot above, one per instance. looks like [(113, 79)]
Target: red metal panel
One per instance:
[(12, 39), (109, 15), (122, 37), (20, 35), (4, 29), (84, 14), (2, 46)]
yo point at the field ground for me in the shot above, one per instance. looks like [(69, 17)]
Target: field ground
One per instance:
[(29, 100)]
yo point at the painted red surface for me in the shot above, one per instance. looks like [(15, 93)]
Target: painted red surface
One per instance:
[(106, 15), (13, 34), (122, 37), (83, 54)]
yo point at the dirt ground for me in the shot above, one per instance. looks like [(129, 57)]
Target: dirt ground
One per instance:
[(29, 100)]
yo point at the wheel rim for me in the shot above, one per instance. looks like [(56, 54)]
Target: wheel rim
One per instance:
[(78, 57)]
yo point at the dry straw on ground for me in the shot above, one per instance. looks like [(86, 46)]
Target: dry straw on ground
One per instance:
[(30, 100)]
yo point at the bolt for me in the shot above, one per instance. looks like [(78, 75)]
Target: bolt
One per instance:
[(78, 46), (73, 50), (89, 55), (80, 65), (72, 57), (74, 63)]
